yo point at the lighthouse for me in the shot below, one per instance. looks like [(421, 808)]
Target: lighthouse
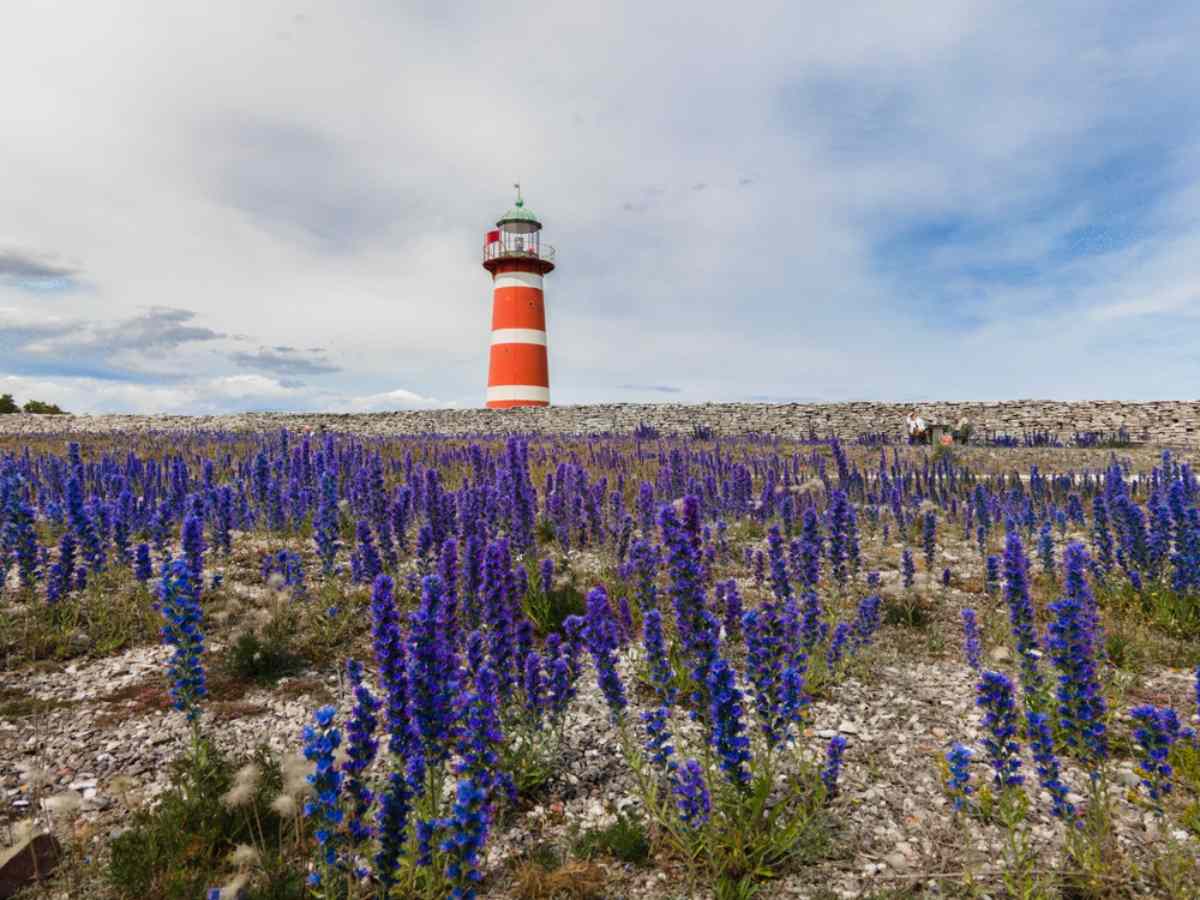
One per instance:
[(518, 374)]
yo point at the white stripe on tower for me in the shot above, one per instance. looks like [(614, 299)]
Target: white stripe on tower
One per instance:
[(518, 336), (518, 279), (504, 392)]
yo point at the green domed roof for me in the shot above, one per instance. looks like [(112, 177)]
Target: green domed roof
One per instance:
[(519, 214)]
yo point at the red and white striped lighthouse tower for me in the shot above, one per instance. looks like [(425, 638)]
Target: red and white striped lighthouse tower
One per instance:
[(518, 374)]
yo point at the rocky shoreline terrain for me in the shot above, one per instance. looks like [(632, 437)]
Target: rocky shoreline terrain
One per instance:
[(1165, 423)]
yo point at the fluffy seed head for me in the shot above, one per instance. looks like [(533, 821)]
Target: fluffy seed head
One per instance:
[(249, 775), (66, 803), (238, 795), (243, 855), (284, 806)]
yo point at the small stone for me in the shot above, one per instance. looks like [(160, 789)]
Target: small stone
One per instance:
[(1128, 778), (1000, 654)]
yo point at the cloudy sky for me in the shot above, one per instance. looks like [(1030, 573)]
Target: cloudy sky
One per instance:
[(221, 205)]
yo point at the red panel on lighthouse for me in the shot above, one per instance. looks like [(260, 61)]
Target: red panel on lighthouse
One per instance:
[(518, 307)]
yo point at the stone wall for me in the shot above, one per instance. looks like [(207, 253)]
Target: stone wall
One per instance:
[(1172, 423)]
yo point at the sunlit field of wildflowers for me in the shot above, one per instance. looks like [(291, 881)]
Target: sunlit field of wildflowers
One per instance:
[(285, 665)]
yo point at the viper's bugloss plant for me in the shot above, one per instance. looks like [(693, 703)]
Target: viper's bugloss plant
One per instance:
[(143, 569), (365, 560), (837, 646), (600, 635), (321, 741), (179, 605), (958, 761), (764, 663), (866, 622), (731, 600), (392, 659), (325, 523), (1157, 729), (929, 538), (1021, 617), (1041, 743), (1046, 548), (727, 737), (840, 533), (1101, 536), (972, 645), (1081, 705), (361, 750), (833, 765), (780, 585), (907, 568), (467, 830), (693, 799), (995, 698), (19, 538), (193, 544)]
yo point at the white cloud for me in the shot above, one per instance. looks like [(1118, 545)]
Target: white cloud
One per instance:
[(243, 386), (396, 399)]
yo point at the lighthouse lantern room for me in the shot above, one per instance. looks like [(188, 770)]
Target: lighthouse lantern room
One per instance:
[(518, 374)]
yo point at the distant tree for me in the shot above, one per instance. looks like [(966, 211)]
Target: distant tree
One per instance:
[(8, 404), (37, 406)]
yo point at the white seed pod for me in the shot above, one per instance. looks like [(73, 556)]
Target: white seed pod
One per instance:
[(249, 774), (66, 803), (238, 795), (285, 806), (232, 889), (244, 855)]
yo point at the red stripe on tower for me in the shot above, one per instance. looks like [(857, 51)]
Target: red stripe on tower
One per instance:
[(518, 373)]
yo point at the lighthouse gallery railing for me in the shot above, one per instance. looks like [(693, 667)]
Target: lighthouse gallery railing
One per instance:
[(500, 250)]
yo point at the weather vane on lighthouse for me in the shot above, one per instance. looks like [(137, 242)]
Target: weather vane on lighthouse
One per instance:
[(518, 374)]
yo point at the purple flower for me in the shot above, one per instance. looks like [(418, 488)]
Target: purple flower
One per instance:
[(467, 830), (320, 745), (726, 736), (369, 563), (833, 765), (1158, 728), (179, 604), (362, 747), (837, 645), (1041, 742), (929, 538), (972, 646), (866, 622), (600, 634), (693, 798), (907, 567), (392, 660), (1000, 719), (1081, 706), (193, 544), (1020, 610), (959, 760)]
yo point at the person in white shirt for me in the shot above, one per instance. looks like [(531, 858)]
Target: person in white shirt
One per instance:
[(916, 427)]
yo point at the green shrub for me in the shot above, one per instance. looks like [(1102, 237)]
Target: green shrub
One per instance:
[(250, 658), (624, 840), (177, 850), (549, 610)]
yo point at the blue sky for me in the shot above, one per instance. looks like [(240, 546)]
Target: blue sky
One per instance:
[(280, 205)]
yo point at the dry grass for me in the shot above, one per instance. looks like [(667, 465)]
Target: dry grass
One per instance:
[(572, 881)]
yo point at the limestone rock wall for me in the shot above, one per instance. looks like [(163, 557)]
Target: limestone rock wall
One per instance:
[(1171, 423)]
